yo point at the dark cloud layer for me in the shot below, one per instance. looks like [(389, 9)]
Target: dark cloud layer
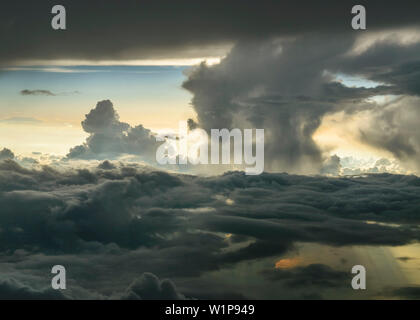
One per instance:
[(150, 287), (412, 293), (146, 287), (135, 220), (168, 29), (11, 289)]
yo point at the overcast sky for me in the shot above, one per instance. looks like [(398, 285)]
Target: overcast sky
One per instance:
[(108, 30)]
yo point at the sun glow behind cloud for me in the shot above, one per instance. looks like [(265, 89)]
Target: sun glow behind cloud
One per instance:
[(287, 263), (340, 133), (144, 62)]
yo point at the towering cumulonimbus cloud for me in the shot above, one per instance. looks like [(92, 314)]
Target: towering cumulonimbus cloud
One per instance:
[(287, 86), (280, 86)]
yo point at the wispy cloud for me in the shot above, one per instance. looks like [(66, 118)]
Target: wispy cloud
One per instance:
[(17, 120), (27, 92), (39, 92), (53, 69)]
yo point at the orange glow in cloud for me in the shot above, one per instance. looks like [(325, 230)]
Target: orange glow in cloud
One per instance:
[(287, 263)]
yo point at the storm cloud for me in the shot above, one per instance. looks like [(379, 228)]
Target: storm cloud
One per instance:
[(261, 84), (287, 87)]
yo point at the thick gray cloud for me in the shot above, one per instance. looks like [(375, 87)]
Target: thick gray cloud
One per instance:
[(270, 207), (11, 289), (164, 29), (150, 287), (262, 84), (287, 86), (129, 218), (146, 287)]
